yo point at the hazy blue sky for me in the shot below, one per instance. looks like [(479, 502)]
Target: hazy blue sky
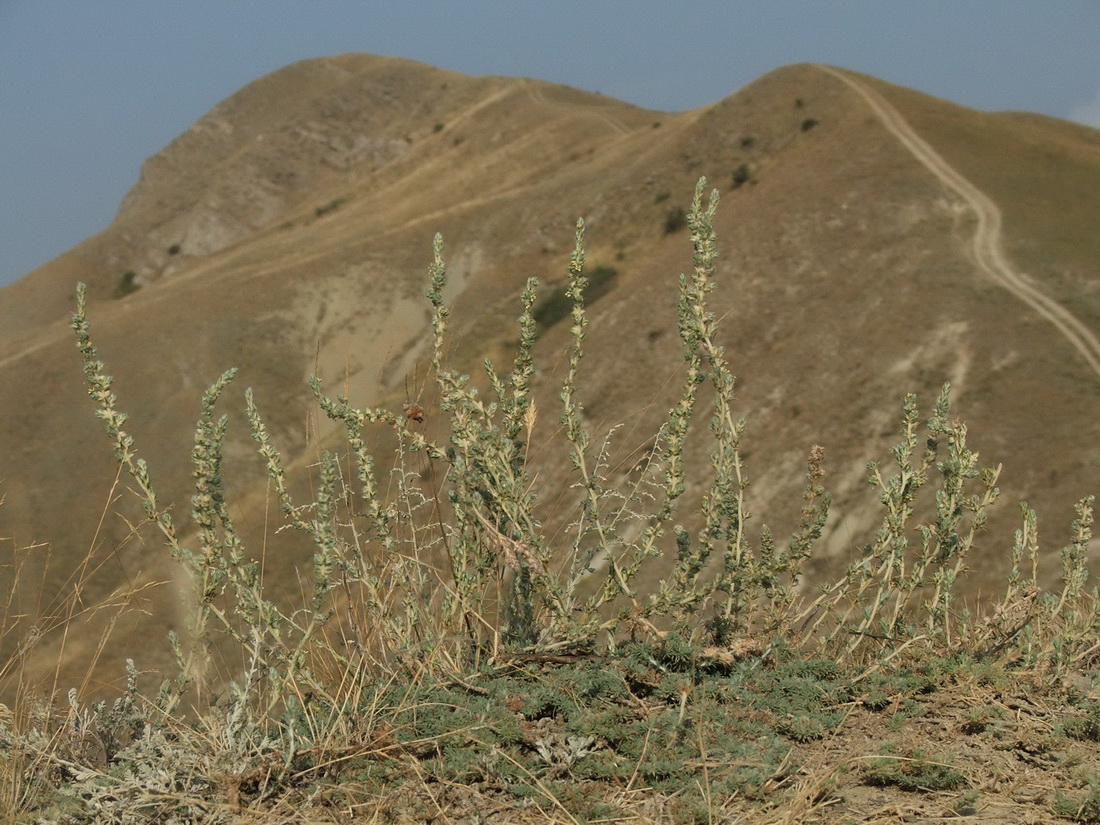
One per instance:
[(89, 89)]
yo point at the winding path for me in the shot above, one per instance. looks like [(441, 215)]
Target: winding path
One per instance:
[(988, 253), (536, 91)]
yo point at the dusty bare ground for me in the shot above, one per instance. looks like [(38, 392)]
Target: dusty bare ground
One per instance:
[(1004, 742)]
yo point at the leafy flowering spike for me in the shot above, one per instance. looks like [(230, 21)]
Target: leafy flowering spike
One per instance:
[(437, 273)]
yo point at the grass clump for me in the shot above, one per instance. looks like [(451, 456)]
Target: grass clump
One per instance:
[(1085, 728), (914, 772), (1079, 807)]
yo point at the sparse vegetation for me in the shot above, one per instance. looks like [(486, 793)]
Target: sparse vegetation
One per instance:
[(1079, 807), (740, 176), (808, 124), (1085, 727), (448, 655)]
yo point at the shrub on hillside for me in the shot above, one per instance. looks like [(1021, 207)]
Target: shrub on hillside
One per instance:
[(676, 219), (558, 304), (127, 283)]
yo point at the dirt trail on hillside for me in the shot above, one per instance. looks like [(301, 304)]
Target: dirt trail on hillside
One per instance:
[(27, 350), (988, 253), (537, 94)]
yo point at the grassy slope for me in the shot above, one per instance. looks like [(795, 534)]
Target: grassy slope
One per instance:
[(773, 718), (1044, 175), (828, 253)]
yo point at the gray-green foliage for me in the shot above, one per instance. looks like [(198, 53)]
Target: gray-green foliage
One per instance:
[(425, 583), (455, 564), (130, 765), (1078, 807), (914, 771)]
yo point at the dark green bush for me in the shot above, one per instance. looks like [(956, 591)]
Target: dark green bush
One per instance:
[(558, 305), (331, 206), (675, 220), (127, 284)]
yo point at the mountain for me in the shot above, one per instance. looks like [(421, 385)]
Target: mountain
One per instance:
[(875, 241)]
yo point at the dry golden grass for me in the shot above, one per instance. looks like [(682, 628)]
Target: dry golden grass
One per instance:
[(845, 284), (449, 656)]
